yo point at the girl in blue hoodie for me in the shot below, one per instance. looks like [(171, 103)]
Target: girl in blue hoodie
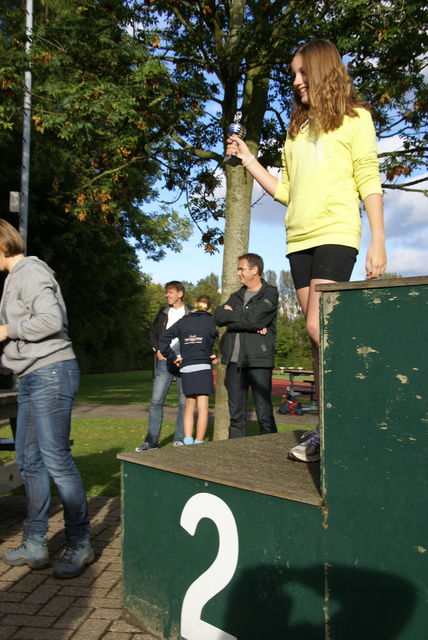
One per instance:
[(196, 333)]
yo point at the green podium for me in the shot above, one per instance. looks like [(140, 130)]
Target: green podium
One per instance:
[(374, 410), (230, 540)]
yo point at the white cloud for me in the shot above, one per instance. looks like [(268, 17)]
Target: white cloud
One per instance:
[(265, 209), (405, 209), (408, 262), (387, 145), (406, 228)]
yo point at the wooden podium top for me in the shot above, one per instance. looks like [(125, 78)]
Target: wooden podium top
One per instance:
[(380, 283), (257, 463)]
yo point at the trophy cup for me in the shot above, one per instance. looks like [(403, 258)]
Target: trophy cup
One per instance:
[(240, 131)]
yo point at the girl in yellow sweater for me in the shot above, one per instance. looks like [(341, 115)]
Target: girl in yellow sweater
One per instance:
[(329, 163)]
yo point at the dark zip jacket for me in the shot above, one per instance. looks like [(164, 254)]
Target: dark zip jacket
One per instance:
[(159, 325), (255, 349), (196, 333)]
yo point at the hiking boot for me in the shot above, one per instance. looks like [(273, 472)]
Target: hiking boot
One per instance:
[(77, 555), (308, 451), (32, 551), (145, 447)]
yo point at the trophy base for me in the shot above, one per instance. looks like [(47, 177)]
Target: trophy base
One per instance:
[(232, 160)]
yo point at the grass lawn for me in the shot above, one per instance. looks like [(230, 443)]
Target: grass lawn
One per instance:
[(128, 387), (97, 441), (135, 387)]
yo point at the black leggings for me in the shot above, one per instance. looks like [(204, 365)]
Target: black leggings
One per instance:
[(328, 262)]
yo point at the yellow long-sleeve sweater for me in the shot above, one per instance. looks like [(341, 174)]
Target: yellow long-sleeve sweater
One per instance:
[(322, 179)]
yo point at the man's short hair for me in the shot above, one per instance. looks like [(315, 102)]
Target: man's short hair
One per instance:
[(175, 284), (254, 260)]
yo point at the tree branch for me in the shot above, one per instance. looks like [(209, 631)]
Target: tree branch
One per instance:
[(199, 153)]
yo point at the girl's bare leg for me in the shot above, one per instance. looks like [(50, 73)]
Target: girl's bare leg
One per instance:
[(309, 301), (309, 450), (189, 416), (202, 422)]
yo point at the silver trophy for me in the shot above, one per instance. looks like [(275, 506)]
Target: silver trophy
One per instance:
[(239, 130)]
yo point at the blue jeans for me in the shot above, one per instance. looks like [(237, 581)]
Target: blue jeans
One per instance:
[(45, 398), (165, 373), (238, 382)]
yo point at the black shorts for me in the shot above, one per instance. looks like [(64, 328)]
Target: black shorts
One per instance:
[(328, 262)]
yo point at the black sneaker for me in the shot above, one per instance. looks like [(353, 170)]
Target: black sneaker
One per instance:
[(145, 447)]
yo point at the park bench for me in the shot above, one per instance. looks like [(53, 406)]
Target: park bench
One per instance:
[(307, 389), (10, 478)]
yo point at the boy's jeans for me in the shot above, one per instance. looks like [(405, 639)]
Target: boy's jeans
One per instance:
[(45, 398), (165, 373)]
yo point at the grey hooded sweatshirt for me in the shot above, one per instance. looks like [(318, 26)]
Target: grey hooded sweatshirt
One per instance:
[(33, 309)]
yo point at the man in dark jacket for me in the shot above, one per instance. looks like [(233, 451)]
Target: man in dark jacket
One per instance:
[(166, 371), (249, 346)]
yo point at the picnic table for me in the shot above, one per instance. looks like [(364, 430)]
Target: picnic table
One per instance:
[(8, 411), (302, 387), (10, 478)]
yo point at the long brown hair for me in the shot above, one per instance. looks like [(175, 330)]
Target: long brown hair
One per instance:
[(331, 91)]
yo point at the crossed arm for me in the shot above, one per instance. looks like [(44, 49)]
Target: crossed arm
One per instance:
[(256, 318)]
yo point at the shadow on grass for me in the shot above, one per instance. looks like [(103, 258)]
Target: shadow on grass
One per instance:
[(166, 440), (100, 472), (97, 443)]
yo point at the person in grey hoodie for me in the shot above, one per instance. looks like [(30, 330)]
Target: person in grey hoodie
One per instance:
[(36, 347)]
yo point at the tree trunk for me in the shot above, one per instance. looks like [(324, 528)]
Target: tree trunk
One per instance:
[(237, 231), (239, 188)]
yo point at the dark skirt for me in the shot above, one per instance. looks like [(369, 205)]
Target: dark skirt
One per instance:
[(199, 382)]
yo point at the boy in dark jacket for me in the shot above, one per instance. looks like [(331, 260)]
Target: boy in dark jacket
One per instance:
[(165, 371)]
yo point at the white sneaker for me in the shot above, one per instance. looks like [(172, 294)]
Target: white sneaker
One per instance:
[(308, 451)]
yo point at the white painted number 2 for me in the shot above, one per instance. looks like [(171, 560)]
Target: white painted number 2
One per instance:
[(219, 574)]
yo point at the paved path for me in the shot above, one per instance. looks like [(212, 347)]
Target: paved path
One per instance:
[(34, 605), (141, 412)]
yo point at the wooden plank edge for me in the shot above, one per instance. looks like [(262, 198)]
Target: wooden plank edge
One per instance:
[(373, 284), (10, 477)]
